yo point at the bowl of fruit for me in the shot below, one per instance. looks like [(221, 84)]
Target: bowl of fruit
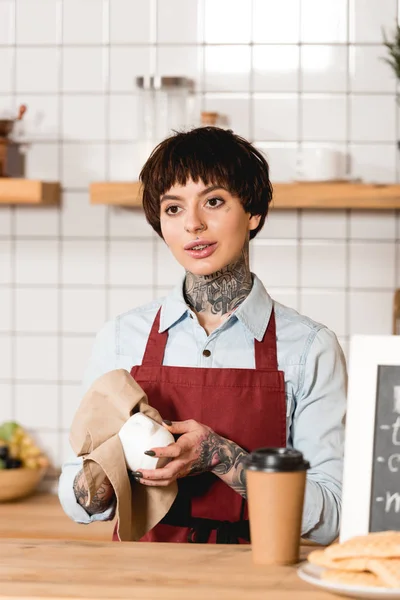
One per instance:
[(22, 463)]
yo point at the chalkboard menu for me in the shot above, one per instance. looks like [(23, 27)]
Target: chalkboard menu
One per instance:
[(385, 489)]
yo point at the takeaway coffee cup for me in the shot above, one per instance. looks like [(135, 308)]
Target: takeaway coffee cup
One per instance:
[(275, 480)]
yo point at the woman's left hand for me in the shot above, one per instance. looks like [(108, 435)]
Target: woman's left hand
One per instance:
[(197, 450)]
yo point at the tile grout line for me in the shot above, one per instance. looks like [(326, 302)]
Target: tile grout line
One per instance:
[(184, 44), (397, 149), (251, 116), (260, 141), (299, 145), (60, 21), (212, 92), (163, 287), (13, 246), (202, 11), (107, 116), (155, 36), (348, 213), (260, 241)]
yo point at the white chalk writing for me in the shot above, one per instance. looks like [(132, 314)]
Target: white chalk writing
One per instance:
[(387, 463), (396, 432), (396, 398), (395, 458), (390, 499)]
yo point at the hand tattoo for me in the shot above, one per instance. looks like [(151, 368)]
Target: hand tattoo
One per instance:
[(222, 457), (100, 501)]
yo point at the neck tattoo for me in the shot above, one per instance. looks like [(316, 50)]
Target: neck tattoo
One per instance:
[(221, 292)]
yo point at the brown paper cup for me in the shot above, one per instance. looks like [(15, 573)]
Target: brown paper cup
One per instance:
[(275, 500)]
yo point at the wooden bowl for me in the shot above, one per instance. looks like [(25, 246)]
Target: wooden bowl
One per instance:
[(18, 483)]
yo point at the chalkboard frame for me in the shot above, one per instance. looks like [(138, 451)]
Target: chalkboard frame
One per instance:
[(367, 354)]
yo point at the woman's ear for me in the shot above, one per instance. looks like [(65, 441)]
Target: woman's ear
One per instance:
[(254, 221)]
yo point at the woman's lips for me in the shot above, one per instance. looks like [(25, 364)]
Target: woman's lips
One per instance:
[(204, 253)]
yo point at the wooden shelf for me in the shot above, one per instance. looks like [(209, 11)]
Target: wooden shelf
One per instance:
[(116, 193), (326, 195), (28, 191), (340, 195)]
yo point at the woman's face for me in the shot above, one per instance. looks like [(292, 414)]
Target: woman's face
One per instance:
[(211, 214)]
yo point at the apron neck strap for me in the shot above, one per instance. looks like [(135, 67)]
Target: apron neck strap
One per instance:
[(155, 347), (265, 351)]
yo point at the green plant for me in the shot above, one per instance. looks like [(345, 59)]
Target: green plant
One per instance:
[(393, 51)]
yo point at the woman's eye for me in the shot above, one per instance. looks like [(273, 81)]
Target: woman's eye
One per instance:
[(172, 210), (214, 202)]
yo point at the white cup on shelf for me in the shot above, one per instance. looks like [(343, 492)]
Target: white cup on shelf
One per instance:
[(320, 164)]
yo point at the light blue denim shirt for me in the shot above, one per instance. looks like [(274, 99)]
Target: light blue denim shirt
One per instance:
[(315, 381)]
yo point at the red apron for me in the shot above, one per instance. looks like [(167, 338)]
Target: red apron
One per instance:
[(246, 406)]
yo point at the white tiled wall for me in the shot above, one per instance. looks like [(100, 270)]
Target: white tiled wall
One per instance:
[(287, 74)]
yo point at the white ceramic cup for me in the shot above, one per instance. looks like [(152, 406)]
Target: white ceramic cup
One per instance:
[(320, 164), (140, 433)]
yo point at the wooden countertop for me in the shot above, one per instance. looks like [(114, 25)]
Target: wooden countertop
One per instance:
[(86, 570), (41, 516)]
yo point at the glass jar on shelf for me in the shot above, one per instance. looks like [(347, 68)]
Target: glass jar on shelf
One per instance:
[(165, 106)]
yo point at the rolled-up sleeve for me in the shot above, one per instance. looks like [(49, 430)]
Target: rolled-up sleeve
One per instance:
[(67, 498), (318, 432), (103, 359)]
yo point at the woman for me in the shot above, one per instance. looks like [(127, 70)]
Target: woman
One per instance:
[(228, 368)]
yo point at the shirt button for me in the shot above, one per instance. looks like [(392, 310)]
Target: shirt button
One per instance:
[(191, 316), (206, 353)]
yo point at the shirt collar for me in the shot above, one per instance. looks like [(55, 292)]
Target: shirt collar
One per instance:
[(253, 313), (173, 307)]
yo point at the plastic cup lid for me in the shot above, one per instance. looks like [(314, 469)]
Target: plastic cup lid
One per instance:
[(276, 459)]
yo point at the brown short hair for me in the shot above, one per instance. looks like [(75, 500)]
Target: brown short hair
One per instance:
[(215, 156)]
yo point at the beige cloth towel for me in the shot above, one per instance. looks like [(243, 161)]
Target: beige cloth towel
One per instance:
[(107, 405)]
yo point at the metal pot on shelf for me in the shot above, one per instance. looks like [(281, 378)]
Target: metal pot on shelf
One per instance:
[(7, 125), (11, 159)]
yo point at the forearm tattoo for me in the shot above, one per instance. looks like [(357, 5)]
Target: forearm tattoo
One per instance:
[(222, 457), (223, 291), (100, 501)]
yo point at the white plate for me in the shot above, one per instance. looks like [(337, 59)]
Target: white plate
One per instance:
[(311, 574)]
